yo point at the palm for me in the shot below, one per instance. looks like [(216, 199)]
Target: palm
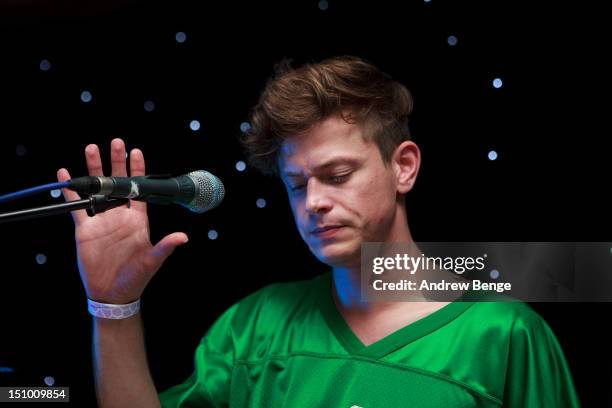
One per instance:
[(113, 250)]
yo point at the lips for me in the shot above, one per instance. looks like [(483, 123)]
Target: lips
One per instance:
[(319, 230), (326, 232)]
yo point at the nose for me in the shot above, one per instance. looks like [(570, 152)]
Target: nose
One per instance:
[(317, 200)]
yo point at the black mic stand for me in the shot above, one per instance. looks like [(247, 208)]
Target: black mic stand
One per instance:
[(93, 205)]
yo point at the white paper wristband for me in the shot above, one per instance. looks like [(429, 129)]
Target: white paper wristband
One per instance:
[(110, 311)]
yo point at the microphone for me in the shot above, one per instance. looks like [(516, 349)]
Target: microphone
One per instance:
[(198, 191)]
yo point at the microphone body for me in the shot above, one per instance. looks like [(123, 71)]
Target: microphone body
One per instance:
[(199, 191)]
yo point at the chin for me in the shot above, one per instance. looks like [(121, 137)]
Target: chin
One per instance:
[(339, 254)]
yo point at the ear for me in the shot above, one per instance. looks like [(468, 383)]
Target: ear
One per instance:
[(406, 161)]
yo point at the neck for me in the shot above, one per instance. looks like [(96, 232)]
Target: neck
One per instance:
[(347, 279)]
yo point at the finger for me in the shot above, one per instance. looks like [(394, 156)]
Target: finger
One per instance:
[(137, 163), (118, 158), (166, 246), (137, 168), (69, 195), (94, 163)]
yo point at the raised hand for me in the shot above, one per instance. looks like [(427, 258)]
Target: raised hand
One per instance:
[(115, 256)]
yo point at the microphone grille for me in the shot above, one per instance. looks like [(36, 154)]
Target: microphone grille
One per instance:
[(209, 191)]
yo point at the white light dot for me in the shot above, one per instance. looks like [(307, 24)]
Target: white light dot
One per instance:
[(212, 234), (494, 274), (240, 165), (452, 40), (21, 150), (86, 96), (497, 83), (260, 203), (492, 155), (49, 381), (56, 193), (323, 5), (194, 125), (180, 37), (245, 127), (149, 106), (427, 1), (44, 65), (41, 259)]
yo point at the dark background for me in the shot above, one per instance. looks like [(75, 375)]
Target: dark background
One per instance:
[(547, 184)]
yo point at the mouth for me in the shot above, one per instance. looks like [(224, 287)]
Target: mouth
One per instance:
[(326, 231)]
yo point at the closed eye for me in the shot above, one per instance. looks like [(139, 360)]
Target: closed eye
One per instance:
[(339, 179)]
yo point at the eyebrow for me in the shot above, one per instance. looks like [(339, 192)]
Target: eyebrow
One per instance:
[(336, 161)]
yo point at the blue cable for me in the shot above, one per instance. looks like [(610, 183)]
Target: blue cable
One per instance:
[(33, 190)]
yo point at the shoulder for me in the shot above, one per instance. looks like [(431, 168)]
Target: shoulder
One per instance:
[(280, 297), (263, 313), (510, 319), (273, 305)]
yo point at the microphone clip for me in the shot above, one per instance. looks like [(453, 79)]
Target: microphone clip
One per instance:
[(100, 203)]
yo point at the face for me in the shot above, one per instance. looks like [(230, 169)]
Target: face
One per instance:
[(341, 192)]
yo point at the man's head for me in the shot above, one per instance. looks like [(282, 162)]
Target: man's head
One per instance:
[(336, 132)]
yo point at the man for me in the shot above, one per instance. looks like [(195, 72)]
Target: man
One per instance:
[(336, 132)]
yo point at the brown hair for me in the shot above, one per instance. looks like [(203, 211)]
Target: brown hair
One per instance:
[(295, 99)]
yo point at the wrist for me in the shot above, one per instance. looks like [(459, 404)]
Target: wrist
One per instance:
[(113, 299)]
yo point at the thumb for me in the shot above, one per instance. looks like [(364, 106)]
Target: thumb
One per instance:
[(164, 248)]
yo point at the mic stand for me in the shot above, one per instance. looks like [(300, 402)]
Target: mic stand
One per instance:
[(93, 205)]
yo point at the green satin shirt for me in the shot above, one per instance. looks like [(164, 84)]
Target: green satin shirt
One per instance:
[(287, 345)]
